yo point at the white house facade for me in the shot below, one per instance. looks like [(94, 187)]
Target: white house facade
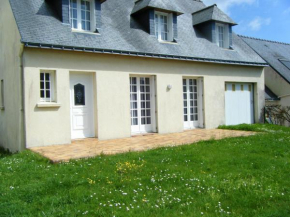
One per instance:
[(73, 69)]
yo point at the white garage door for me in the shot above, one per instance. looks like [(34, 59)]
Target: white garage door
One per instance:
[(239, 103)]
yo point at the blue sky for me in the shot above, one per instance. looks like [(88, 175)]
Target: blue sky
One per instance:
[(266, 19)]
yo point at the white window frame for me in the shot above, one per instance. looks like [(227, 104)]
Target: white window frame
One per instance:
[(79, 16), (158, 25), (51, 89), (199, 123), (225, 35), (144, 128)]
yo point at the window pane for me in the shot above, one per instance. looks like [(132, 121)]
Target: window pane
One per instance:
[(79, 92), (147, 96), (88, 26), (83, 15), (148, 104), (75, 24), (48, 94), (148, 89), (41, 85), (42, 93), (135, 121), (42, 76), (47, 76), (83, 25), (148, 112), (142, 89), (147, 81), (142, 80), (47, 86), (148, 120), (75, 14)]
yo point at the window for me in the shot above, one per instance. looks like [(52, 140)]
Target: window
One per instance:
[(222, 35), (47, 86), (79, 95), (2, 92), (163, 26), (285, 62), (81, 13)]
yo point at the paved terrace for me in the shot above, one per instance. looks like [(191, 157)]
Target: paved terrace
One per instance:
[(86, 148)]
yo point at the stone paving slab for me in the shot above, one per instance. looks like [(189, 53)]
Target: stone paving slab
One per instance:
[(91, 147)]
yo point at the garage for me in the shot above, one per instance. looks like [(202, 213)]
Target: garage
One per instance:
[(239, 103)]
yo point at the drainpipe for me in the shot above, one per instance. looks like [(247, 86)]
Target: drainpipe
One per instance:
[(23, 145)]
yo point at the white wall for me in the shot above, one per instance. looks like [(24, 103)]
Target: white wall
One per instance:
[(279, 86), (11, 118), (113, 93)]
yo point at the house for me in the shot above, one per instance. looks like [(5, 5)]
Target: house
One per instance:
[(277, 75), (111, 69)]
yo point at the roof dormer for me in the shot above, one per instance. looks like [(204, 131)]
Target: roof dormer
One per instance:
[(215, 25), (83, 15), (159, 17)]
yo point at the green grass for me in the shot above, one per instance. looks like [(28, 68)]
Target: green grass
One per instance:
[(248, 176)]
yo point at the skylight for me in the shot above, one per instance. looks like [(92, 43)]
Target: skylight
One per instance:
[(285, 62)]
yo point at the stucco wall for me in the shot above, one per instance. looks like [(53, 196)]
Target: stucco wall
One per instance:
[(279, 86), (11, 118), (112, 95)]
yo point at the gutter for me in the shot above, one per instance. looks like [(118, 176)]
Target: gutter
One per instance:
[(141, 54), (284, 96)]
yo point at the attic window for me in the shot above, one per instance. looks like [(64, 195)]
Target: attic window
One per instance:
[(163, 26), (82, 14), (222, 35), (285, 62)]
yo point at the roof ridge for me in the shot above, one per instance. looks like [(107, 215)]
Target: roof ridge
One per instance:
[(261, 39), (204, 8)]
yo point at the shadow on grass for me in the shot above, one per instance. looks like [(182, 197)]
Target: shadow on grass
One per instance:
[(4, 153)]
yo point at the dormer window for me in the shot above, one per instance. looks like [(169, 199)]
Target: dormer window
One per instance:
[(214, 25), (163, 26), (82, 14), (222, 35)]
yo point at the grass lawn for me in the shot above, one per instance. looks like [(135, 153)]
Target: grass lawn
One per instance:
[(248, 176)]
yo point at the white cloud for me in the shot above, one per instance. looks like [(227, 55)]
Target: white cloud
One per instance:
[(258, 22), (226, 4)]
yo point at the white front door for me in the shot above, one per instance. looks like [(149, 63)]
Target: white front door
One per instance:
[(82, 105), (142, 100), (192, 103), (239, 103)]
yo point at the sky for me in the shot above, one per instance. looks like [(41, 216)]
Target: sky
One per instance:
[(266, 19)]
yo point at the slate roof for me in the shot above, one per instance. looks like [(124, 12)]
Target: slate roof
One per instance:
[(167, 5), (211, 13), (39, 25), (269, 95), (272, 52)]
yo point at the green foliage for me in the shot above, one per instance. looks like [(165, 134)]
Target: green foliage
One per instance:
[(245, 176)]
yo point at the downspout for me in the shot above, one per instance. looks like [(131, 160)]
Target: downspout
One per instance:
[(23, 143)]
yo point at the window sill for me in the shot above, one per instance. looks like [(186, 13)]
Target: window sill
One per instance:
[(168, 42), (48, 105), (2, 108), (85, 32)]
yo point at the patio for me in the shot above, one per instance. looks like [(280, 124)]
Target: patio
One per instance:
[(91, 147)]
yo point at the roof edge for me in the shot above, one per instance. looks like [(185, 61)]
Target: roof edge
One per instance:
[(203, 9), (260, 39), (141, 54)]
